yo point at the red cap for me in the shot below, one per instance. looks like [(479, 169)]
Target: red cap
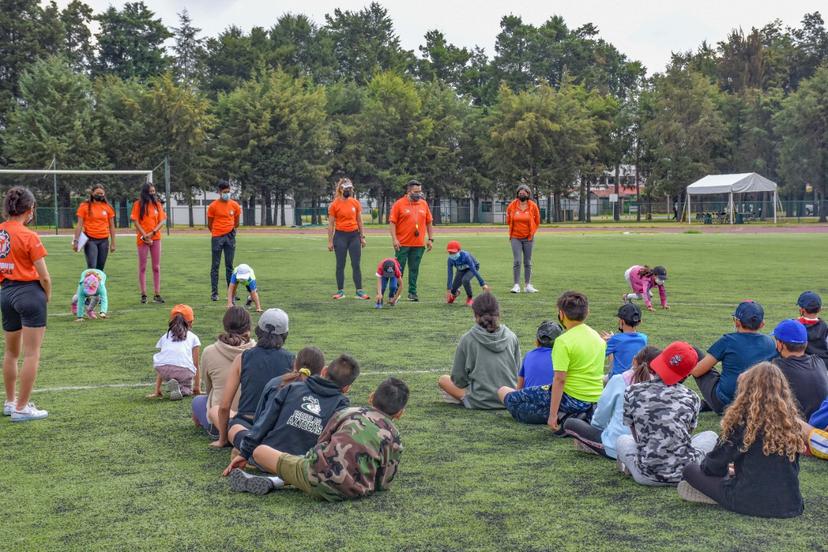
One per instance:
[(184, 310), (675, 362), (453, 246)]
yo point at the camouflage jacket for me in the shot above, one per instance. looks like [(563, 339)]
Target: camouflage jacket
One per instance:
[(357, 454), (662, 418)]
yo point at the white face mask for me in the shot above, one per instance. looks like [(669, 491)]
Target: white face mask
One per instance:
[(225, 196)]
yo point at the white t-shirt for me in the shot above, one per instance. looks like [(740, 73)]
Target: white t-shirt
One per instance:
[(176, 353)]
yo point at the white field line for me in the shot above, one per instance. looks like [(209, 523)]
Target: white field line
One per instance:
[(151, 383)]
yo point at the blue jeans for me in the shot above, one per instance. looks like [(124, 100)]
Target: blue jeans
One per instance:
[(390, 282)]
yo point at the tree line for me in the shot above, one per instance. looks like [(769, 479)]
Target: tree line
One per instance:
[(284, 110)]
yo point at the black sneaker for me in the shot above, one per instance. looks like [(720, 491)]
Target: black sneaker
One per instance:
[(158, 299), (143, 299), (243, 482), (248, 302), (413, 297), (214, 296)]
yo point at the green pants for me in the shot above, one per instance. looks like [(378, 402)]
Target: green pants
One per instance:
[(411, 256)]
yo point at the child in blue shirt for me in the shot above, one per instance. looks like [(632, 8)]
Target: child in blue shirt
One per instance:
[(624, 345), (536, 368), (243, 275), (467, 268)]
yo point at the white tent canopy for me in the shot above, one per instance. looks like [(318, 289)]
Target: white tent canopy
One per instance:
[(743, 183)]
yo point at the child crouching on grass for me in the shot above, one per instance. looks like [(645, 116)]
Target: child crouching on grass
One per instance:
[(761, 437), (357, 454), (91, 293), (389, 276), (467, 268), (176, 362), (243, 275)]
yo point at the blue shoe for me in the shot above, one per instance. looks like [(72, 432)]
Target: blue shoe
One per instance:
[(378, 305)]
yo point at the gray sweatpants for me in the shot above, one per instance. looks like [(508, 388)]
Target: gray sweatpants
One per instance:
[(522, 248), (627, 451)]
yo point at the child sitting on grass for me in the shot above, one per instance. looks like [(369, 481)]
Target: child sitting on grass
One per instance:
[(528, 402), (805, 373), (357, 454), (810, 305), (578, 360), (661, 414), (601, 434), (737, 352), (176, 362), (624, 345), (389, 276), (243, 275), (293, 418), (91, 292), (762, 439), (467, 268), (486, 359)]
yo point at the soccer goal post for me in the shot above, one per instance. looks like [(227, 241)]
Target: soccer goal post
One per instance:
[(84, 172)]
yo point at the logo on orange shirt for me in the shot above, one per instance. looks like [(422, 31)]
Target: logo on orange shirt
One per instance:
[(5, 244)]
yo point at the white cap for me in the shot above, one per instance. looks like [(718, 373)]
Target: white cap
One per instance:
[(274, 321), (243, 272)]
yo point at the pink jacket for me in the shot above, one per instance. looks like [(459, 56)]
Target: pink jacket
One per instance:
[(643, 284)]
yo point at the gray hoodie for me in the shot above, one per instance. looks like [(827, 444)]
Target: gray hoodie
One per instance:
[(483, 363)]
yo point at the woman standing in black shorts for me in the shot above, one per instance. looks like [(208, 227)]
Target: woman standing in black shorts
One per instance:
[(25, 288)]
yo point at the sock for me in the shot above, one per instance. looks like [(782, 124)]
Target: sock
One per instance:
[(278, 482)]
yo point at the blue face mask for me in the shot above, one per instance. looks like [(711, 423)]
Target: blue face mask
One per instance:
[(225, 196), (454, 256)]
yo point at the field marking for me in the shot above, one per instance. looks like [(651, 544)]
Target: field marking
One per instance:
[(151, 383)]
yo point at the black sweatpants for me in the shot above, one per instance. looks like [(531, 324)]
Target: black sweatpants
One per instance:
[(347, 243), (708, 384), (96, 251), (585, 433), (464, 278), (226, 244)]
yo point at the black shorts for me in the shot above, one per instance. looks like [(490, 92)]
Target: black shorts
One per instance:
[(23, 304)]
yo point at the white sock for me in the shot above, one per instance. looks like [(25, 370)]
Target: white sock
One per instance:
[(278, 482)]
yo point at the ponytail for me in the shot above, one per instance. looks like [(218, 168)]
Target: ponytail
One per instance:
[(178, 328), (487, 311), (641, 364), (309, 362)]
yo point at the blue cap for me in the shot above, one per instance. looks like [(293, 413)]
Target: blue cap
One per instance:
[(750, 313), (809, 301), (791, 331)]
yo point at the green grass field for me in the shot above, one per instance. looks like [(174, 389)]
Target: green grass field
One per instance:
[(110, 469)]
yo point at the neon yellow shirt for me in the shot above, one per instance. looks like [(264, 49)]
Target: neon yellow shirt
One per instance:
[(579, 352)]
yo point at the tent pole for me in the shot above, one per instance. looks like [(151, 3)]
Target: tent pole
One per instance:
[(730, 208), (689, 210), (775, 199)]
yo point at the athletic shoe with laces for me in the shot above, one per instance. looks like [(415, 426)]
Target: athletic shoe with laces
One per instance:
[(91, 314), (214, 296), (469, 301), (529, 288), (8, 408), (378, 305), (339, 295), (144, 299), (29, 412), (174, 389), (243, 482), (451, 299), (515, 288), (689, 493), (362, 295), (158, 299), (248, 302), (413, 297)]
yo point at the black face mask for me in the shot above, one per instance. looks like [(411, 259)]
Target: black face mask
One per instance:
[(415, 197), (99, 197), (346, 193), (523, 197)]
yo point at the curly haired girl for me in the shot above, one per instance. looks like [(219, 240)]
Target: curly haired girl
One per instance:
[(761, 438)]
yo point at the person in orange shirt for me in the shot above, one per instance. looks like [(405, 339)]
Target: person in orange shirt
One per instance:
[(523, 218), (409, 221), (346, 236), (222, 220), (96, 219), (26, 289), (148, 216)]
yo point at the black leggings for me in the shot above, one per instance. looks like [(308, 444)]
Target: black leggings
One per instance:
[(462, 277), (96, 252), (711, 486), (347, 243), (585, 433)]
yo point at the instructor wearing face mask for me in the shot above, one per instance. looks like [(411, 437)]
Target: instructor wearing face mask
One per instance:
[(346, 236), (96, 219), (410, 220), (523, 218), (222, 220)]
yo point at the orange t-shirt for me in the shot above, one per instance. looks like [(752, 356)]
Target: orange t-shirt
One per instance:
[(19, 249), (522, 224), (152, 217), (346, 211), (96, 220), (410, 218), (225, 215)]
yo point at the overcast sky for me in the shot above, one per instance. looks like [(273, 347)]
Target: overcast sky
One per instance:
[(647, 30)]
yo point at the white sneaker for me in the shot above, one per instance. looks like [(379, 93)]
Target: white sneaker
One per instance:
[(530, 289), (28, 413), (174, 389), (8, 408), (515, 288)]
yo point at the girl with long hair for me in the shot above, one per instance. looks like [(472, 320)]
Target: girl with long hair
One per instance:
[(762, 439), (96, 219), (176, 362), (148, 217), (346, 236), (523, 219)]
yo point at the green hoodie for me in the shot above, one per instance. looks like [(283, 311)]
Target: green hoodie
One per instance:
[(485, 362)]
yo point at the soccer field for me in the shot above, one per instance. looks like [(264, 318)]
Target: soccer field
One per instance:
[(110, 469)]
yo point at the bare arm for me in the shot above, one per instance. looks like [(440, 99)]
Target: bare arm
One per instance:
[(112, 235), (197, 378), (44, 278), (393, 227), (230, 388), (521, 382), (210, 224), (78, 230), (361, 229), (557, 394), (331, 227), (704, 366), (231, 292)]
